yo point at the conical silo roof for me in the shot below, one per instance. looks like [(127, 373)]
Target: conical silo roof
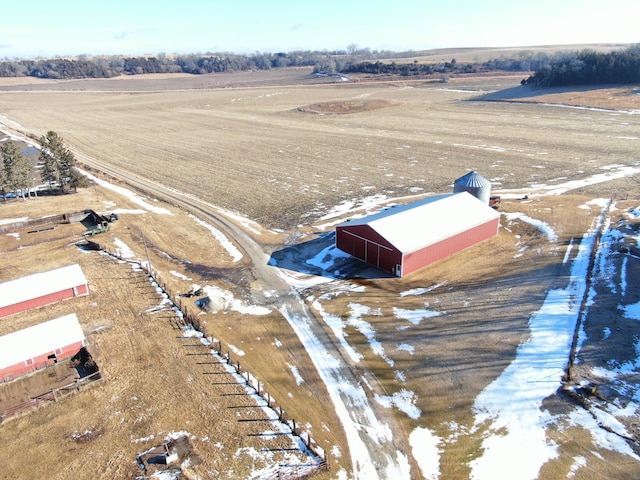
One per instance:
[(475, 184), (473, 179)]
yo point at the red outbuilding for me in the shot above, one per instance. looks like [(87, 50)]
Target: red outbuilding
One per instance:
[(42, 289), (35, 347), (406, 238)]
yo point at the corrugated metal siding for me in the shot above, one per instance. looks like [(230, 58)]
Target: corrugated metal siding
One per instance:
[(43, 360), (412, 226), (363, 243), (477, 223), (389, 260), (42, 301), (421, 258), (475, 184), (40, 284), (364, 231), (60, 336)]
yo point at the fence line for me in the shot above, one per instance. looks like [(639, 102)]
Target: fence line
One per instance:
[(187, 318), (53, 395)]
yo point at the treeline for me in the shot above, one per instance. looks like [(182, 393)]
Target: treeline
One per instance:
[(523, 62), (589, 67), (56, 167), (351, 60), (86, 66), (361, 61)]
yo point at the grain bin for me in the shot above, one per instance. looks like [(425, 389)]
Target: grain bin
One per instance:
[(475, 184)]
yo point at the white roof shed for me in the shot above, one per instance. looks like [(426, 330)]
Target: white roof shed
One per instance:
[(39, 339), (435, 218), (40, 284)]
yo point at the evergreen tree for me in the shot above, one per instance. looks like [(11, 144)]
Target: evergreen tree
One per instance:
[(75, 179), (49, 170), (58, 163), (66, 168), (589, 68), (49, 146), (24, 174), (17, 169)]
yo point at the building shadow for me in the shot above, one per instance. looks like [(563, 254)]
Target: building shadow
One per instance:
[(84, 364), (320, 257), (523, 92)]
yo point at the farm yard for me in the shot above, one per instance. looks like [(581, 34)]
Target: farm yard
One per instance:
[(285, 163)]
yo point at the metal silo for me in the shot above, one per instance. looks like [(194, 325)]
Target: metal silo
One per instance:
[(475, 184)]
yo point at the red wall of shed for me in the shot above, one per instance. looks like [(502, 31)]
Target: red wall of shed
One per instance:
[(43, 360), (421, 258), (44, 300), (363, 243)]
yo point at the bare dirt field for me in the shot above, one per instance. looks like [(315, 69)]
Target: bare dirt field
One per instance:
[(300, 164), (247, 145)]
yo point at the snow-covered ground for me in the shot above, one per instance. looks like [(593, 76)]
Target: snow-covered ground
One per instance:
[(511, 407)]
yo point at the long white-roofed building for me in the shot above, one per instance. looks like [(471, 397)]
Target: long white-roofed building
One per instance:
[(36, 347), (406, 238), (42, 289)]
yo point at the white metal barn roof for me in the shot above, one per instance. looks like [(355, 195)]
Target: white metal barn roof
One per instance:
[(42, 338), (40, 284), (417, 224)]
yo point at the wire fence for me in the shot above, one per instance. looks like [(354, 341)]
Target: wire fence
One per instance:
[(185, 316), (53, 395)]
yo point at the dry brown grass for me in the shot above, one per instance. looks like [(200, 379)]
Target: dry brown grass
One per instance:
[(251, 151), (153, 384)]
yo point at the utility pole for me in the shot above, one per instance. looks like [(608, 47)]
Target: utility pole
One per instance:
[(144, 240)]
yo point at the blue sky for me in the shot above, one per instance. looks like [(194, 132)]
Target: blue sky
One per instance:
[(31, 28)]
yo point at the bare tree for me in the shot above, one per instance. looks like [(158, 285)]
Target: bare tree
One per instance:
[(352, 48)]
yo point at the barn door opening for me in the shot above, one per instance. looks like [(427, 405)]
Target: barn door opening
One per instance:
[(373, 254), (398, 269)]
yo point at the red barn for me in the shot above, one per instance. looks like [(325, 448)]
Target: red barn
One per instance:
[(35, 347), (406, 238), (42, 289)]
